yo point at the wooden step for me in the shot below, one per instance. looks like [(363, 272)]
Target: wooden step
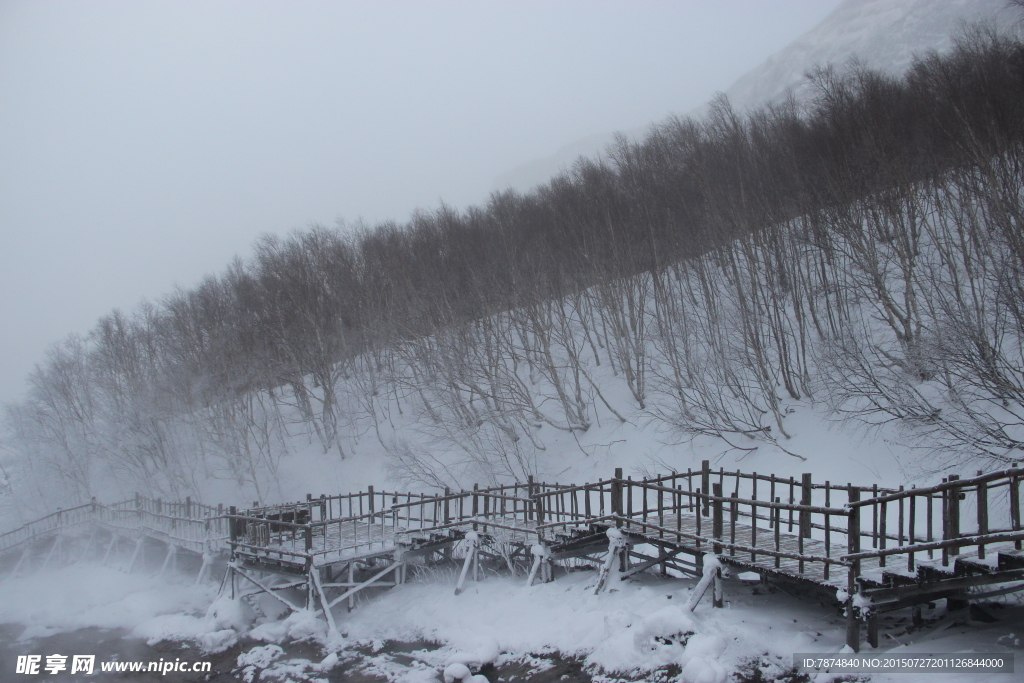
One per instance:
[(894, 579), (1013, 559), (968, 566), (870, 583), (928, 573)]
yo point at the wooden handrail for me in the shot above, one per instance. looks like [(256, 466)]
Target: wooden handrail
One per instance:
[(1009, 474)]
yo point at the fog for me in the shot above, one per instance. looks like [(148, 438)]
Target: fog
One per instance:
[(143, 145)]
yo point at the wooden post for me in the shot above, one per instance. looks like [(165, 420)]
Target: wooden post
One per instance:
[(828, 527), (717, 521), (882, 532), (852, 547), (232, 530), (476, 503), (447, 510), (982, 514), (697, 517), (629, 498), (661, 518), (617, 496), (778, 531), (954, 514), (874, 517), (910, 529), (805, 499), (734, 508), (717, 595), (705, 483), (792, 499), (899, 526), (1015, 504), (529, 494), (753, 519), (945, 523)]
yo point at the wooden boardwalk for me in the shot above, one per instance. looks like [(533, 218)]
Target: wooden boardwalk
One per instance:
[(872, 548)]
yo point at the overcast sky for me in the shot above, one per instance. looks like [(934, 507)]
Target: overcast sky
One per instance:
[(145, 144)]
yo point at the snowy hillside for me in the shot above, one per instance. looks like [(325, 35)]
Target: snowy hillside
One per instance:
[(881, 34)]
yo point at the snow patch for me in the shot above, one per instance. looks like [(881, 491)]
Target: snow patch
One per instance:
[(300, 625)]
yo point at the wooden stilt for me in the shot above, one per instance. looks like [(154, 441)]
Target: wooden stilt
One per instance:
[(473, 541), (113, 542), (332, 627), (172, 550), (352, 580), (135, 555), (54, 549), (872, 620), (852, 626), (204, 568)]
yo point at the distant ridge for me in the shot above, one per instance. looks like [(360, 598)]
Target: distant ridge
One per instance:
[(881, 34)]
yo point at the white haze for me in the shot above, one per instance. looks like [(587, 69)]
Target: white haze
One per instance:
[(143, 145)]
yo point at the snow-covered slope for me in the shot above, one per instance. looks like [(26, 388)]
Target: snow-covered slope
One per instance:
[(881, 34)]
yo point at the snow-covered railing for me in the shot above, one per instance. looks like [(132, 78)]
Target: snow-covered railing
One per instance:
[(44, 526), (132, 516), (939, 518), (297, 534), (565, 507), (819, 525), (496, 507)]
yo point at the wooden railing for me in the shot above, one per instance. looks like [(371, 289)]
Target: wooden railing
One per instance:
[(949, 517), (819, 525), (751, 514), (187, 521)]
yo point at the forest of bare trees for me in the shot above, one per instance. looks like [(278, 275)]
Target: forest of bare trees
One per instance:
[(862, 251)]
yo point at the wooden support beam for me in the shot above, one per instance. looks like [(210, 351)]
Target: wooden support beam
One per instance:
[(358, 587), (350, 584), (314, 575), (135, 555), (471, 559), (636, 569), (236, 570)]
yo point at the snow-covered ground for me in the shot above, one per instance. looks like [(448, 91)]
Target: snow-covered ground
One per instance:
[(639, 630)]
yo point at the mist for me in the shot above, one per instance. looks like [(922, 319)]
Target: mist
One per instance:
[(147, 144)]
